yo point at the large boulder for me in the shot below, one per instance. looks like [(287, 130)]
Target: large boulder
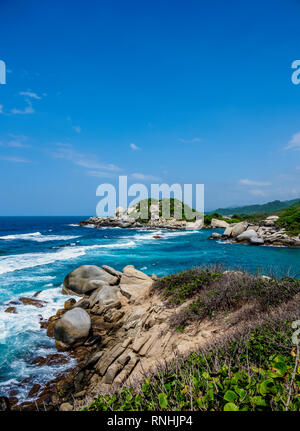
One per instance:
[(104, 296), (247, 235), (72, 328), (194, 225), (215, 223), (239, 228), (134, 276), (83, 280), (228, 231)]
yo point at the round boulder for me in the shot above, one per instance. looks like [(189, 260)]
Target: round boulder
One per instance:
[(72, 328), (87, 278)]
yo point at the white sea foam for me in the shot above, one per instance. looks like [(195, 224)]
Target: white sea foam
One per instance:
[(37, 236), (16, 262)]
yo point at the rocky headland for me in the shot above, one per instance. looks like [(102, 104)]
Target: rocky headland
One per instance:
[(265, 233), (130, 218)]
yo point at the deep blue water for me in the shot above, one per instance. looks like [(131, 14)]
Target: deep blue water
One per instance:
[(36, 253)]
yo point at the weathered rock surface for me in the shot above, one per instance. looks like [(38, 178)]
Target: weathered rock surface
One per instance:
[(87, 278), (73, 327), (215, 223)]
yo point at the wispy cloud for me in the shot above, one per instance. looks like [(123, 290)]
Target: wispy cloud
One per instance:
[(88, 161), (133, 146), (27, 110), (30, 94), (99, 174), (254, 183), (14, 159), (190, 141), (294, 143), (143, 177)]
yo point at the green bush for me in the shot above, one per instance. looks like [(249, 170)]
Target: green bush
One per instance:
[(254, 372), (289, 219)]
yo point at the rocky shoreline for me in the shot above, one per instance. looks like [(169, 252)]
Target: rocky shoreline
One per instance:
[(246, 233), (117, 330), (129, 218)]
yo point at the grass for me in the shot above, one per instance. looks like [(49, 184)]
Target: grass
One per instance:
[(255, 367)]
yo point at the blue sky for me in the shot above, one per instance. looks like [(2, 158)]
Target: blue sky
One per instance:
[(161, 91)]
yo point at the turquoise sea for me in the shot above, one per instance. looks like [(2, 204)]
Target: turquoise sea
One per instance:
[(36, 253)]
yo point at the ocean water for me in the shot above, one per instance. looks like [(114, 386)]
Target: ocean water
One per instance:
[(36, 253)]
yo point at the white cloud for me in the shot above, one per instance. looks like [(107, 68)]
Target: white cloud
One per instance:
[(67, 152), (143, 177), (294, 143), (27, 110), (133, 146), (190, 141), (257, 192), (30, 94), (254, 183), (14, 159), (77, 129), (99, 174)]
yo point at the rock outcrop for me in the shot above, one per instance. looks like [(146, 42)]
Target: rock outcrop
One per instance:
[(267, 233), (117, 333), (130, 218)]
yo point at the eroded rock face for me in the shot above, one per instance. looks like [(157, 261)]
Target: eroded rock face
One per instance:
[(215, 223), (133, 276), (106, 295), (73, 327), (87, 278), (247, 235), (239, 228)]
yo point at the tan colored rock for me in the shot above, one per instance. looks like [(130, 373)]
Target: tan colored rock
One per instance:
[(215, 223), (239, 228), (136, 292), (66, 407), (133, 276)]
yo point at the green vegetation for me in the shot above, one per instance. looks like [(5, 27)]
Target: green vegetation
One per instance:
[(289, 219), (172, 207), (267, 208), (257, 371), (256, 368), (212, 292)]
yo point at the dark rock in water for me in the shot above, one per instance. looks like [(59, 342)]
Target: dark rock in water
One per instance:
[(37, 293), (13, 400), (34, 391), (53, 359), (4, 404), (12, 310), (35, 302)]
